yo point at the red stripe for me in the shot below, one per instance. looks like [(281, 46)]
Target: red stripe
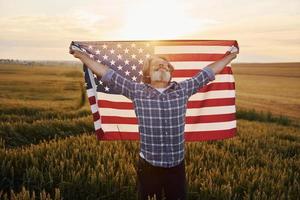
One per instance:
[(191, 72), (210, 118), (189, 136), (92, 100), (189, 120), (217, 86), (167, 42), (210, 135), (96, 116), (115, 105), (191, 104), (211, 102), (197, 43), (118, 120), (192, 57)]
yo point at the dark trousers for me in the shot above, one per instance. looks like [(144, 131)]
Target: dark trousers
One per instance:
[(152, 180)]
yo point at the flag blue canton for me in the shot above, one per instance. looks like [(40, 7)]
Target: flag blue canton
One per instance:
[(126, 59)]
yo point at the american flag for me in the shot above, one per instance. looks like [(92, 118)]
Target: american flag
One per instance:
[(210, 112)]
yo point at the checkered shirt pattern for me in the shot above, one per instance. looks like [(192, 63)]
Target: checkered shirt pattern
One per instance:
[(161, 116)]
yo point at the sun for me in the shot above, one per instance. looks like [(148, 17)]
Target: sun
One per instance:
[(157, 20)]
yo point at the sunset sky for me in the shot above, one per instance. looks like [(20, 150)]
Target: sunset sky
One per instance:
[(266, 30)]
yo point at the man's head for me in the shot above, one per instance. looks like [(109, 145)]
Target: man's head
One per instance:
[(158, 69)]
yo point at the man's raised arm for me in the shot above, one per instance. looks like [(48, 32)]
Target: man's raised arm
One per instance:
[(220, 64)]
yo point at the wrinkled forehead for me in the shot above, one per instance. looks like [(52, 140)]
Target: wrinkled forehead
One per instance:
[(157, 60)]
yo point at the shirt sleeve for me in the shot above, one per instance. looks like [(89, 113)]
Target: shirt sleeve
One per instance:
[(119, 84), (193, 84)]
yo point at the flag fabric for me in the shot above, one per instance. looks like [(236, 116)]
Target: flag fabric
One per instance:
[(211, 112)]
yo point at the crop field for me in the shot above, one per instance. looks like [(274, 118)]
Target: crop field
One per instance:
[(48, 149)]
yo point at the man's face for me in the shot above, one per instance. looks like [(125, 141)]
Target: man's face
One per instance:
[(159, 70)]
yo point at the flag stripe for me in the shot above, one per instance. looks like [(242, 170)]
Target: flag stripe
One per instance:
[(196, 97), (189, 136), (190, 104), (188, 127), (190, 49), (190, 112), (196, 42), (192, 57), (189, 73), (189, 120)]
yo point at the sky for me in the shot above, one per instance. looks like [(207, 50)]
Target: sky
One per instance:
[(266, 30)]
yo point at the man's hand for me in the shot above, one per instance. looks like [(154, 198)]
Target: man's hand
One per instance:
[(76, 52), (233, 55)]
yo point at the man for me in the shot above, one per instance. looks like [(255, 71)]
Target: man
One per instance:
[(160, 106)]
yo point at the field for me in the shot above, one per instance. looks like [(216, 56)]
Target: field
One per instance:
[(48, 150)]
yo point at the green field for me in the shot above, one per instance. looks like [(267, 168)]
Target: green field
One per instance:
[(48, 150)]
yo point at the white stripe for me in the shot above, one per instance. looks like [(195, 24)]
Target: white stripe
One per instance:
[(210, 126), (188, 127), (97, 124), (192, 65), (217, 94), (90, 92), (191, 49), (94, 108), (219, 78), (216, 110)]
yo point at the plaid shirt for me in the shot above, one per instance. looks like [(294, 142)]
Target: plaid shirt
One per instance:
[(161, 116)]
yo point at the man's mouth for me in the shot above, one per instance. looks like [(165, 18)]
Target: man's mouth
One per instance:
[(161, 68)]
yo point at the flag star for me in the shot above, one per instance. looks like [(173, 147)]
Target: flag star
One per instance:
[(140, 72), (91, 56), (101, 83), (119, 57), (90, 47), (126, 62), (83, 50), (147, 55), (127, 73), (126, 50), (133, 56), (141, 61), (112, 51), (112, 62), (134, 78), (105, 57), (133, 67), (141, 50), (119, 46), (99, 61), (132, 45), (98, 51), (104, 46), (106, 88), (120, 67), (141, 82)]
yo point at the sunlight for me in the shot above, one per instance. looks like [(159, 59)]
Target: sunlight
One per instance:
[(158, 20)]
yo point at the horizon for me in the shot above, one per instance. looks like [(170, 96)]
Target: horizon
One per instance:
[(267, 32)]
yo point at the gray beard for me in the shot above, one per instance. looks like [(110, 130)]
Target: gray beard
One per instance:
[(162, 76)]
